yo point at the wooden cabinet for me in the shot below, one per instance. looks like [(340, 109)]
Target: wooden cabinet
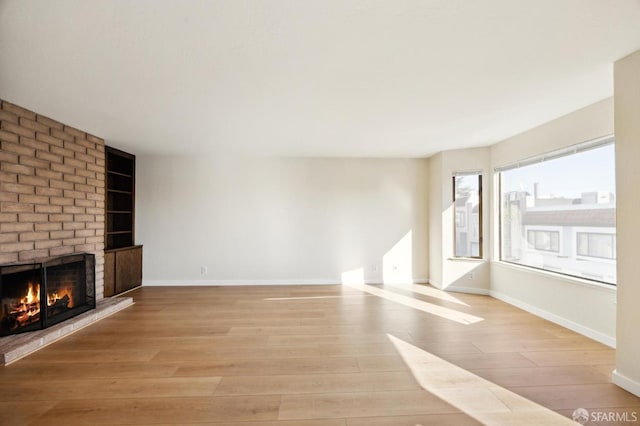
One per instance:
[(109, 273), (122, 270), (122, 258)]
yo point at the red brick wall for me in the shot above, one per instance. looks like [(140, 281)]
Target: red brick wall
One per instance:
[(52, 189)]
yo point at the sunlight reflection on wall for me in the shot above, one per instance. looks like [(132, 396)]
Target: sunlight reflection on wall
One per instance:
[(397, 263)]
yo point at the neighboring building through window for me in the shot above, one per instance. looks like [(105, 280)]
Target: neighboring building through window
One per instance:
[(544, 240), (558, 212), (467, 200)]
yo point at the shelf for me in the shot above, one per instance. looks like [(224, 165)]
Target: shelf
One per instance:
[(111, 172), (120, 169), (120, 163), (123, 248)]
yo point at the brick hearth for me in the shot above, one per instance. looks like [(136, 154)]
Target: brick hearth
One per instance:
[(12, 348)]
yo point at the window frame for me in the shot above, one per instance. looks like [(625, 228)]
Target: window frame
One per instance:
[(613, 245), (468, 218), (499, 206)]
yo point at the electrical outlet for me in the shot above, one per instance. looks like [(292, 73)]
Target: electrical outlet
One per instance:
[(470, 276), (203, 270), (374, 268)]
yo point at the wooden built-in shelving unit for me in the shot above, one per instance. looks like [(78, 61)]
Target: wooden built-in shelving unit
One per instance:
[(120, 205), (123, 258)]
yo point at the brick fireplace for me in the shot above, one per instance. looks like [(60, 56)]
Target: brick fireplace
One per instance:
[(52, 190)]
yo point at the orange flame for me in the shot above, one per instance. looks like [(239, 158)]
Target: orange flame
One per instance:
[(59, 294), (31, 296)]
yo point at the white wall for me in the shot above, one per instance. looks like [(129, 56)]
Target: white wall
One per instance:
[(627, 124), (267, 220), (583, 306)]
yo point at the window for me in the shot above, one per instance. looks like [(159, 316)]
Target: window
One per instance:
[(596, 245), (544, 240), (467, 201), (557, 212)]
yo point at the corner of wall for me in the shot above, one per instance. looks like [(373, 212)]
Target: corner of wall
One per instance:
[(448, 273), (625, 382)]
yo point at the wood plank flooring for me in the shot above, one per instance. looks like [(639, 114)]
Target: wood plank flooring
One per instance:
[(309, 355)]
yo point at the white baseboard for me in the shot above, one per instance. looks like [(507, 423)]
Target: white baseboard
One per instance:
[(163, 283), (468, 290), (435, 284), (578, 328), (166, 283), (626, 383)]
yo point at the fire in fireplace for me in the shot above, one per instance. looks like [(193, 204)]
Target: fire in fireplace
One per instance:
[(39, 294), (27, 310)]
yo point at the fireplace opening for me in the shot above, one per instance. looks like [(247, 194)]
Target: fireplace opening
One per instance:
[(20, 298), (40, 294)]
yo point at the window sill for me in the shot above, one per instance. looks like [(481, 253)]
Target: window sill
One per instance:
[(467, 259), (611, 288)]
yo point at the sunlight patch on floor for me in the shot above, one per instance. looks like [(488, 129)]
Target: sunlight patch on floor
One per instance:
[(481, 399), (430, 308), (428, 291), (314, 297)]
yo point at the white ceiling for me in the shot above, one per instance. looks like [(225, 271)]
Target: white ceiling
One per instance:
[(371, 78)]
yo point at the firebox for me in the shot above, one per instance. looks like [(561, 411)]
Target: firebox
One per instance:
[(37, 295)]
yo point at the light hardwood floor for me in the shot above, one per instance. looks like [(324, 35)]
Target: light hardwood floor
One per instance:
[(310, 355)]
